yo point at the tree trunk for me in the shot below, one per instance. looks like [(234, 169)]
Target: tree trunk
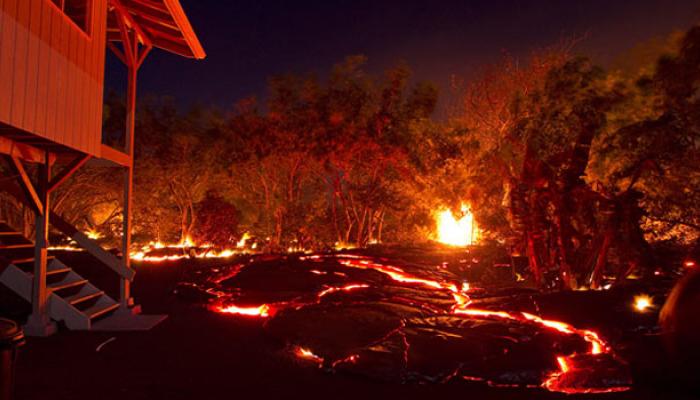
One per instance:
[(533, 259)]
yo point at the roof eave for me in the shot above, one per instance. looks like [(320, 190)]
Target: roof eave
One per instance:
[(180, 18)]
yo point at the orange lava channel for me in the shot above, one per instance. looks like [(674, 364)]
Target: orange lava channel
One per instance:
[(462, 301)]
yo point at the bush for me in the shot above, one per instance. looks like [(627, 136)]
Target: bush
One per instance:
[(217, 221)]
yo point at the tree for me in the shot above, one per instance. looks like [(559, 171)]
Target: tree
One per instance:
[(217, 221)]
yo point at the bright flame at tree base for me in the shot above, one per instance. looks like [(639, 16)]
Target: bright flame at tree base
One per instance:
[(456, 232)]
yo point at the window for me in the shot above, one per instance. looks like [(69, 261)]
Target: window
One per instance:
[(79, 11)]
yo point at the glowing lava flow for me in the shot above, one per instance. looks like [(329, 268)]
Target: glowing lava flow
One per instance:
[(598, 346), (346, 288), (262, 311), (266, 310), (553, 382), (185, 249)]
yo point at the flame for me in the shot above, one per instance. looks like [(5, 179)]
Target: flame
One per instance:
[(241, 243), (563, 364), (194, 251), (456, 232), (260, 311), (186, 242), (643, 303), (307, 354), (93, 234), (65, 248)]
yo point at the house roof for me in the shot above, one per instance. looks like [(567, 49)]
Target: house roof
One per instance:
[(165, 23)]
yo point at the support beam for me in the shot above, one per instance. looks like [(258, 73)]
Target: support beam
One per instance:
[(115, 156), (117, 52), (68, 171), (125, 18), (26, 184), (132, 35), (11, 145), (142, 55), (39, 322), (125, 288), (105, 257), (92, 247)]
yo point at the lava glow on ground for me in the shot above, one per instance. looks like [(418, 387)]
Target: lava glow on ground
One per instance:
[(358, 281)]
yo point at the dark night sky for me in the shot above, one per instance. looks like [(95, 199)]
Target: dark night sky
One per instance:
[(248, 41)]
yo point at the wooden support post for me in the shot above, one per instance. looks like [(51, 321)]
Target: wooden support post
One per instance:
[(126, 299), (39, 323), (136, 45), (26, 183), (67, 172)]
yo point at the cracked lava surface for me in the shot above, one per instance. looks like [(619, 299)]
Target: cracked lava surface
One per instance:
[(401, 322)]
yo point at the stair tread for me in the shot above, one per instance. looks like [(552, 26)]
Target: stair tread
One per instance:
[(16, 246), (59, 270), (64, 285), (79, 298), (55, 271), (97, 310), (20, 260)]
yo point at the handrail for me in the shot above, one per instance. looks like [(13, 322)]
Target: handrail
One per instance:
[(85, 242), (92, 247)]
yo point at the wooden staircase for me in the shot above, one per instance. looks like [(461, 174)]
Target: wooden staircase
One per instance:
[(71, 298)]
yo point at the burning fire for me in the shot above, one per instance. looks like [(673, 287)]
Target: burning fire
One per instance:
[(193, 251), (456, 232), (260, 311), (93, 234), (642, 303)]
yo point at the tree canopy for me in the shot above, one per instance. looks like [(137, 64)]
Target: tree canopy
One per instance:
[(573, 166)]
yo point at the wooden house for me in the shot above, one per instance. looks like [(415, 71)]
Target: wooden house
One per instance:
[(52, 66)]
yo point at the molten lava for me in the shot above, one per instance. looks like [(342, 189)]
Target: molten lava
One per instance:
[(186, 248), (456, 232), (260, 311), (559, 380)]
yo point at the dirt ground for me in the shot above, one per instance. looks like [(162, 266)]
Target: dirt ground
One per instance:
[(197, 354)]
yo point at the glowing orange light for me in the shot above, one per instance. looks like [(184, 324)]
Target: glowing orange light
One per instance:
[(555, 381), (642, 303), (93, 234), (308, 355), (65, 248), (203, 251), (456, 232), (563, 365), (260, 311), (241, 242), (341, 289)]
